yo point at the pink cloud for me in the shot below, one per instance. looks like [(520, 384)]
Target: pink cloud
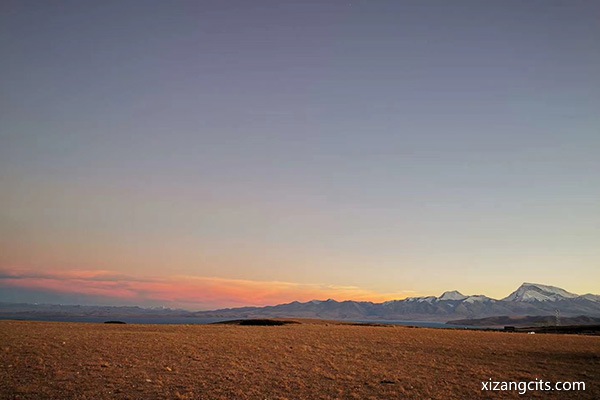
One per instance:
[(182, 291)]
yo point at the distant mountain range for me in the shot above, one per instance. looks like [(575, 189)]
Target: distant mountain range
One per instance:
[(530, 299)]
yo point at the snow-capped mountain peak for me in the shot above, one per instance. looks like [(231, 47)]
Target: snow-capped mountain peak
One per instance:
[(478, 298), (426, 299), (452, 295), (529, 292), (591, 297)]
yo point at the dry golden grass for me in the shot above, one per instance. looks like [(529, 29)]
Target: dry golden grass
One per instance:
[(301, 361)]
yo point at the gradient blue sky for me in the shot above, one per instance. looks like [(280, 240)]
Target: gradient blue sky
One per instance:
[(345, 149)]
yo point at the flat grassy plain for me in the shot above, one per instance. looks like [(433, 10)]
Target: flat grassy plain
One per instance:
[(310, 360)]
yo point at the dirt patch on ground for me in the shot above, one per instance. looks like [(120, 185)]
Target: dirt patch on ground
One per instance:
[(40, 360), (258, 322)]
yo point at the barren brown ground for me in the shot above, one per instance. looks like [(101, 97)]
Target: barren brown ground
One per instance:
[(41, 360)]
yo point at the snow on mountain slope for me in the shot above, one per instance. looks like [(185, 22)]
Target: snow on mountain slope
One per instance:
[(427, 299), (452, 295), (529, 292), (477, 298), (591, 297)]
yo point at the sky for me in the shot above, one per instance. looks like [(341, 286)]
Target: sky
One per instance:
[(207, 154)]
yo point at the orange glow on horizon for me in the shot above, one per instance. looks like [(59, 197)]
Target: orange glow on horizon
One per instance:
[(183, 291)]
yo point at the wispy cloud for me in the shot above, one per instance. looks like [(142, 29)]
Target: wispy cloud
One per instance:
[(183, 291)]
